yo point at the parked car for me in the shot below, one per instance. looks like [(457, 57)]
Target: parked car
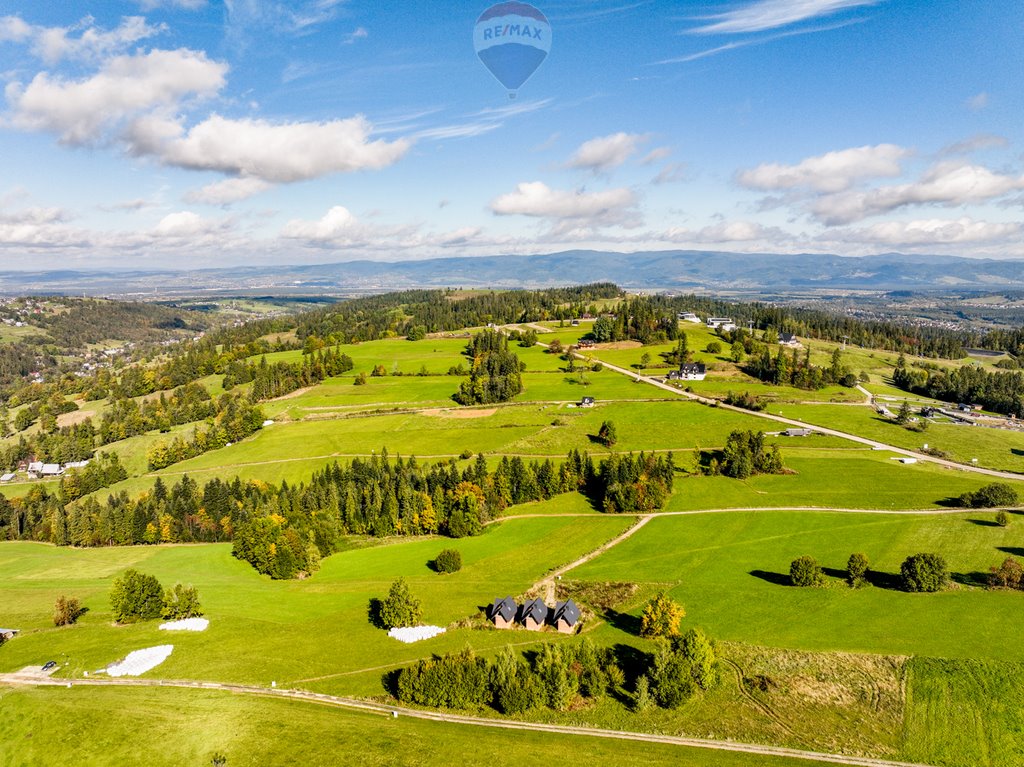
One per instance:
[(49, 665)]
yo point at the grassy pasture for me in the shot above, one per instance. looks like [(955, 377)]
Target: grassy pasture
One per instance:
[(153, 726), (264, 630), (731, 573)]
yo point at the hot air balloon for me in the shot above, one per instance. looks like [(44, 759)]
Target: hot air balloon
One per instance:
[(512, 40)]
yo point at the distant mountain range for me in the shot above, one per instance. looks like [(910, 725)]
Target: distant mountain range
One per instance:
[(681, 270)]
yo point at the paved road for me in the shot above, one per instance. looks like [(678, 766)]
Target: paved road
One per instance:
[(476, 721), (820, 429)]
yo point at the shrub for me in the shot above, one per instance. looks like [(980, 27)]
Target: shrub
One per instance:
[(698, 651), (1009, 575), (66, 611), (448, 561), (661, 617), (400, 608), (671, 679), (714, 347), (642, 699), (181, 602), (989, 496), (1002, 519), (805, 571), (466, 454), (924, 573), (857, 569), (606, 435), (136, 597), (452, 681), (379, 371), (360, 380)]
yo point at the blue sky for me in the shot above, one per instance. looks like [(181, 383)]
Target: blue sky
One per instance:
[(149, 133)]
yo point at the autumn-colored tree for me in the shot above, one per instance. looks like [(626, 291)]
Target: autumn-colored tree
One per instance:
[(661, 617)]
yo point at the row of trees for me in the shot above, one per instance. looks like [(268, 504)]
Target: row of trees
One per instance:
[(745, 454), (236, 419), (924, 572), (280, 378), (1001, 392)]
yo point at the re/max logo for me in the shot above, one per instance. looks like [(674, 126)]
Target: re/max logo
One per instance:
[(512, 30)]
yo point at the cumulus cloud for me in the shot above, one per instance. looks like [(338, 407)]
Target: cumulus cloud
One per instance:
[(188, 224), (227, 191), (271, 152), (606, 152), (610, 207), (771, 14), (950, 183), (932, 231), (830, 172), (81, 111), (340, 227), (656, 155), (14, 30)]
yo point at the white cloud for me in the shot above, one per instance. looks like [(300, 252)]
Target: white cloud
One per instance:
[(80, 111), (359, 33), (931, 232), (228, 191), (606, 152), (977, 102), (188, 5), (656, 155), (53, 44), (672, 173), (188, 224), (536, 199), (830, 172), (272, 152), (977, 143), (723, 232), (772, 14), (14, 30), (951, 183), (339, 227)]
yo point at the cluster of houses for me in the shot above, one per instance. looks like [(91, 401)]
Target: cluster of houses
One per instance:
[(40, 470), (534, 614)]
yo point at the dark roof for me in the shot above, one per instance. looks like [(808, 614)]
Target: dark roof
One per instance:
[(535, 609), (692, 367), (506, 608), (567, 611), (587, 400), (786, 338)]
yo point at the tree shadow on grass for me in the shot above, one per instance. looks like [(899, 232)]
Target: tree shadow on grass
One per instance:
[(950, 503), (373, 609), (833, 572), (623, 621), (880, 580), (779, 579), (1016, 451), (976, 579), (1013, 551), (634, 664), (984, 523), (389, 681)]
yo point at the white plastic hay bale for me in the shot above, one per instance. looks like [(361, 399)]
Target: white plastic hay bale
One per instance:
[(188, 624), (141, 661), (415, 633)]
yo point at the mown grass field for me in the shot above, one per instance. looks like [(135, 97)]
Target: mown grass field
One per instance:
[(731, 573), (157, 727), (266, 630)]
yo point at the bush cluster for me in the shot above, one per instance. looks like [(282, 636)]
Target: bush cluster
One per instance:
[(137, 597), (557, 677), (448, 561)]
